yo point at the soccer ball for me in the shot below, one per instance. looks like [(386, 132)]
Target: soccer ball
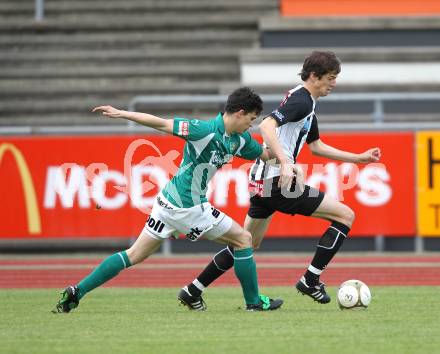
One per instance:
[(353, 293)]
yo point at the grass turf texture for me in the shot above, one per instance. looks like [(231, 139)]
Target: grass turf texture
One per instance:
[(129, 320)]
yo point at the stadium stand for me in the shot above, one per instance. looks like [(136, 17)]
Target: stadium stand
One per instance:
[(105, 52), (350, 31), (380, 54), (364, 70)]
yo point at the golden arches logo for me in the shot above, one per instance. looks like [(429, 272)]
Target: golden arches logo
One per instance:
[(32, 211)]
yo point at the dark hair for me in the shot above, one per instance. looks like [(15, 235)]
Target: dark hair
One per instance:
[(320, 63), (244, 98)]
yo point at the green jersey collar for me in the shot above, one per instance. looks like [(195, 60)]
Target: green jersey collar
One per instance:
[(220, 123)]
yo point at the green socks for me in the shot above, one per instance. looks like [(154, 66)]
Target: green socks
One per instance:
[(246, 271), (244, 267), (109, 268)]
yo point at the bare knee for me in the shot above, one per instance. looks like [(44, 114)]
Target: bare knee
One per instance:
[(143, 247), (347, 216), (256, 242), (244, 240)]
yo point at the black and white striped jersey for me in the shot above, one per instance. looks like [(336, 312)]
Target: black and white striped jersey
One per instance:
[(297, 124)]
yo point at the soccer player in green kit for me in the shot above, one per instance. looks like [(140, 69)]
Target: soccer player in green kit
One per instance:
[(182, 207)]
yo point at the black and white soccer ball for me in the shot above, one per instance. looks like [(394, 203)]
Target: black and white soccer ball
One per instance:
[(353, 294)]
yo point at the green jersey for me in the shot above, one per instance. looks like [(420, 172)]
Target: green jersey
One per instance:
[(207, 148)]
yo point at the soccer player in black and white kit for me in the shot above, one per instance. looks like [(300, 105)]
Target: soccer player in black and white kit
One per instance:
[(280, 186)]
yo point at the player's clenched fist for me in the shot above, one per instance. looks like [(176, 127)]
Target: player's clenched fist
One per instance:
[(371, 155)]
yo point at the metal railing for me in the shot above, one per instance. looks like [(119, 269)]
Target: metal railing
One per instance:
[(39, 10), (377, 114)]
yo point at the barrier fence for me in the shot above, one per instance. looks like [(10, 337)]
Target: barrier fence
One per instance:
[(271, 101)]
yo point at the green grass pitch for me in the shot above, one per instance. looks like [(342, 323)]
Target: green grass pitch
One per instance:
[(149, 320)]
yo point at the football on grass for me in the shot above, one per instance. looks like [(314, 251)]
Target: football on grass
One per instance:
[(353, 294)]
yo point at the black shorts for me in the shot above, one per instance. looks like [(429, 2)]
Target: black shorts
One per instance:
[(264, 206)]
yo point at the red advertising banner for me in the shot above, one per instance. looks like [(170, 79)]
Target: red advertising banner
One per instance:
[(103, 186)]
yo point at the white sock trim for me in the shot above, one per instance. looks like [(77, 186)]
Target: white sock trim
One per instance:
[(229, 250), (198, 285), (336, 240), (332, 227), (239, 258), (213, 258), (314, 270), (123, 260), (223, 270)]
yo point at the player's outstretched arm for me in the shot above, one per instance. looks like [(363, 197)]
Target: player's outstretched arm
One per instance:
[(164, 125), (319, 148)]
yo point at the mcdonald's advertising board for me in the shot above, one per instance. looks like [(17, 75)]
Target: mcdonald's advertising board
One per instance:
[(428, 183), (104, 186)]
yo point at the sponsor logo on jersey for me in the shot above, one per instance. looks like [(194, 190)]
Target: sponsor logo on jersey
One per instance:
[(278, 114), (217, 160), (183, 129), (306, 127), (256, 187)]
